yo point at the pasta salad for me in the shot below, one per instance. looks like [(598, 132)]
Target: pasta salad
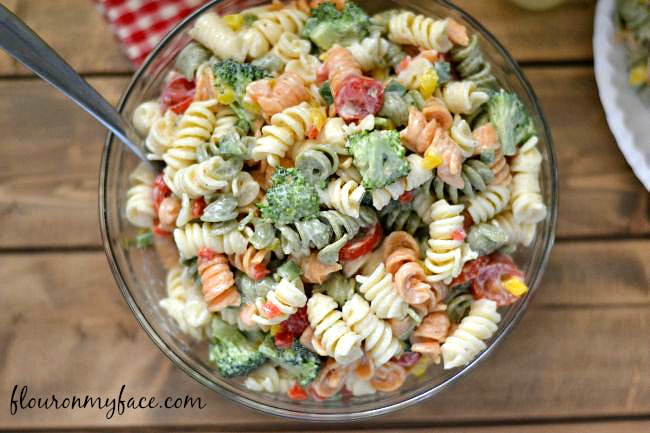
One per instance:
[(340, 198), (633, 21)]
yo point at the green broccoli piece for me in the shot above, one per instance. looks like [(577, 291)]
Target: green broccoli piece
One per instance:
[(327, 26), (231, 352), (511, 120), (325, 92), (302, 364), (291, 198), (379, 156), (231, 74)]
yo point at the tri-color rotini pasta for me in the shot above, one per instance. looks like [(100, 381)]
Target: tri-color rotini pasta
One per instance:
[(343, 193)]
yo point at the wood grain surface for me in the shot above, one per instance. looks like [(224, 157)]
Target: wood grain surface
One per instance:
[(578, 362)]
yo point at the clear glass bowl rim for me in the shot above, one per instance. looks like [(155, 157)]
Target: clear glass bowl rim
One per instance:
[(548, 234)]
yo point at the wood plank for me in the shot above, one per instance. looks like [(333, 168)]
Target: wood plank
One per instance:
[(90, 47), (75, 29), (552, 366), (63, 146)]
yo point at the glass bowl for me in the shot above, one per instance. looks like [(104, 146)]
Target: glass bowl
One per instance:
[(140, 274)]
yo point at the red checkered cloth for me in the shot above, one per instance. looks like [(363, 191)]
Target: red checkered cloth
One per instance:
[(141, 24)]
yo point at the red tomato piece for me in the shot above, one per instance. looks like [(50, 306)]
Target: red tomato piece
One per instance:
[(283, 340), (296, 392), (296, 323), (197, 207), (178, 94), (358, 97), (362, 244), (206, 254), (458, 235), (470, 270), (313, 133), (260, 271), (407, 197), (270, 310), (403, 64), (408, 359), (160, 191)]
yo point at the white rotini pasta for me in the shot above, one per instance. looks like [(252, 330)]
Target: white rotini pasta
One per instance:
[(211, 31), (307, 67), (378, 289), (358, 386), (446, 253), (409, 77), (346, 170), (486, 204), (526, 200), (287, 297), (265, 32), (225, 121), (285, 129), (268, 378), (370, 51), (291, 47), (232, 316), (145, 115), (194, 236), (418, 176), (463, 97), (334, 132), (161, 135), (343, 196), (467, 341), (461, 133), (244, 188), (377, 335), (199, 179), (421, 204), (185, 304), (139, 197), (194, 128), (411, 29), (330, 330)]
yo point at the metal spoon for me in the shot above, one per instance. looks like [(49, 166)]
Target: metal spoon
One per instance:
[(20, 42)]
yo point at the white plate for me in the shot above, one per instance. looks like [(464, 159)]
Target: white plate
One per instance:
[(627, 114)]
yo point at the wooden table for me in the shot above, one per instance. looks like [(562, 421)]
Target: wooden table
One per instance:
[(579, 361)]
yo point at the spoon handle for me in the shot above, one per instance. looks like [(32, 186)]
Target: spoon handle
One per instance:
[(29, 49)]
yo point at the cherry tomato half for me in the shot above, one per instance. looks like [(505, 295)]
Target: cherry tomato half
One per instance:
[(283, 339), (178, 95), (361, 244), (296, 392), (197, 207), (160, 191)]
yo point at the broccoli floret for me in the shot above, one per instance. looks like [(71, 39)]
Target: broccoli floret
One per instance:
[(327, 26), (232, 353), (302, 364), (291, 198), (510, 118), (231, 74), (379, 156)]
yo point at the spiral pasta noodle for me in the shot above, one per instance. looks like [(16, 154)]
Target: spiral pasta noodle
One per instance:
[(430, 334), (306, 66), (286, 298), (218, 281), (485, 205), (252, 262), (286, 128), (338, 288), (144, 116), (244, 188), (200, 179), (518, 233), (446, 251), (194, 128), (379, 290), (290, 47), (461, 133), (317, 161), (397, 217), (161, 135), (343, 196), (371, 51), (336, 338), (401, 255), (268, 379), (463, 97), (378, 338), (408, 28), (471, 65), (527, 203), (409, 77), (265, 32), (194, 236), (139, 197), (225, 121), (213, 33), (418, 176), (340, 65), (467, 341), (274, 96)]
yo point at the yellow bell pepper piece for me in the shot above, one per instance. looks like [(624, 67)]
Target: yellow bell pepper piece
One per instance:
[(639, 75), (274, 329), (428, 83), (226, 97), (421, 366), (431, 159), (515, 286), (318, 117), (234, 21), (251, 107)]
